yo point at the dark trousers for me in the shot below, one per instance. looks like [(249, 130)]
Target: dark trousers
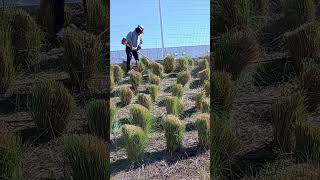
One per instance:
[(129, 56)]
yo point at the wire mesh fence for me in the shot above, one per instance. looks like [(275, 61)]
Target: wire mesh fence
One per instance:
[(186, 28)]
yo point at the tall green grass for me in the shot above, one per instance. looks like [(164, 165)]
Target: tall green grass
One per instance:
[(99, 118), (96, 16), (82, 52), (88, 157), (51, 107), (141, 116), (7, 70), (174, 132), (287, 111), (126, 95), (173, 105), (202, 123), (10, 154), (135, 142)]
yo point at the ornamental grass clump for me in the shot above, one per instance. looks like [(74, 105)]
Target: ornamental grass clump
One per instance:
[(113, 113), (206, 88), (204, 75), (304, 43), (117, 72), (177, 90), (199, 98), (82, 52), (126, 95), (10, 154), (298, 12), (222, 93), (88, 157), (307, 142), (183, 78), (173, 105), (135, 140), (157, 68), (184, 64), (27, 38), (310, 81), (142, 117), (203, 64), (224, 146), (154, 79), (51, 107), (145, 100), (174, 132), (135, 80), (7, 70), (154, 91), (96, 16), (202, 124), (287, 112), (236, 51), (169, 64), (98, 118)]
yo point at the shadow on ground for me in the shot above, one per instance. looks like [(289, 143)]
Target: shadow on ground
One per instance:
[(152, 157)]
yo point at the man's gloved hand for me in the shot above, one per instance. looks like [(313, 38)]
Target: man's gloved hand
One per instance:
[(139, 47)]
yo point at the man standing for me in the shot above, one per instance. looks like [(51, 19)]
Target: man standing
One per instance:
[(133, 45)]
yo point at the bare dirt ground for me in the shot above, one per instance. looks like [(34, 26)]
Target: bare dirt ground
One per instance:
[(190, 163)]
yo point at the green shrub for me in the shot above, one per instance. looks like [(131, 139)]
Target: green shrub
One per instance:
[(202, 124), (304, 43), (135, 141), (96, 16), (126, 95), (199, 98), (223, 92), (206, 88), (204, 75), (112, 83), (145, 100), (10, 154), (157, 68), (236, 51), (27, 38), (173, 105), (183, 64), (82, 53), (141, 66), (183, 77), (98, 118), (135, 79), (153, 91), (88, 157), (233, 14), (146, 62), (205, 106), (203, 64), (113, 113), (260, 10), (169, 64), (51, 107), (298, 12), (307, 142), (177, 90), (174, 132), (223, 149), (287, 111), (310, 80), (117, 72), (154, 79), (141, 117), (7, 70)]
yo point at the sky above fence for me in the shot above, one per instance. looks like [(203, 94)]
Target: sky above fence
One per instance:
[(185, 22)]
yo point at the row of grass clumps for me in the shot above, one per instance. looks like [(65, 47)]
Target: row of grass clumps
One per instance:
[(136, 133)]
